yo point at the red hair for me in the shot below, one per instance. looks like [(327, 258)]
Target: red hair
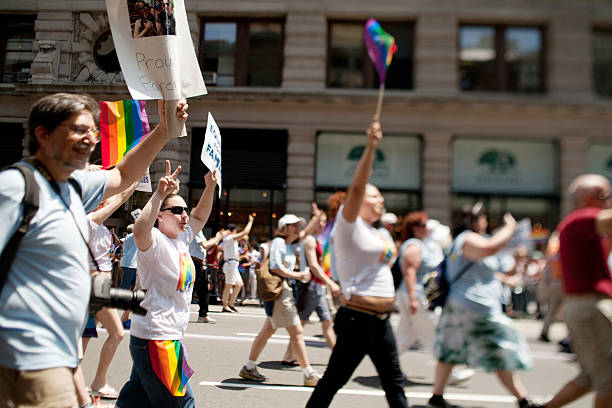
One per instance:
[(410, 220)]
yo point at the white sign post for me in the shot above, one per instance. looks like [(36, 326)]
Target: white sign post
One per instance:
[(156, 53), (211, 151)]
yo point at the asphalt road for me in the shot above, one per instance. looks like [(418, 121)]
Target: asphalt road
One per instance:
[(218, 351)]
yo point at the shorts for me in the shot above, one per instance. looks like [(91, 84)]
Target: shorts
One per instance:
[(128, 278), (312, 299), (90, 328), (230, 270), (51, 387), (282, 312), (589, 320)]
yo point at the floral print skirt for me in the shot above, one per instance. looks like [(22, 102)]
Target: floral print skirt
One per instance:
[(486, 342)]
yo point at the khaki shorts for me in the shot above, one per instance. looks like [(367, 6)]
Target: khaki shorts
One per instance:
[(230, 270), (285, 313), (52, 387), (589, 320)]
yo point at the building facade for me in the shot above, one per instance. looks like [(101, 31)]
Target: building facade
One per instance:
[(504, 101)]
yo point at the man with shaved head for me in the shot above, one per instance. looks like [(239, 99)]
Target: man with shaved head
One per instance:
[(585, 245)]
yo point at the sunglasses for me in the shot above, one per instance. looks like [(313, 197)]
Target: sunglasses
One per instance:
[(177, 209)]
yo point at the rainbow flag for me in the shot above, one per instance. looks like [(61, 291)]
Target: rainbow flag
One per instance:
[(325, 238), (123, 124), (381, 47), (169, 362)]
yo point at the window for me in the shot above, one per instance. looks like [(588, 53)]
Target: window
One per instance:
[(501, 58), (348, 64), (602, 61), (16, 41), (105, 55), (242, 52)]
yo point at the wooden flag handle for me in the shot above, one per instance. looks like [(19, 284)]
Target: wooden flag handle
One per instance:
[(176, 128), (381, 92)]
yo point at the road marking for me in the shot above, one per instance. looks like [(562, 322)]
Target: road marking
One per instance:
[(506, 399), (282, 336)]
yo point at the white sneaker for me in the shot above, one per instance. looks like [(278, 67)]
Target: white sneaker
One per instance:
[(312, 379), (459, 375)]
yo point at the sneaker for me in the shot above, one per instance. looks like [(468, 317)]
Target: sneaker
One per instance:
[(206, 319), (251, 374), (459, 375), (312, 379), (530, 404), (438, 403)]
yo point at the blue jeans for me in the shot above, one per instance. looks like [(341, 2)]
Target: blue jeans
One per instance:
[(376, 339), (144, 389), (128, 278)]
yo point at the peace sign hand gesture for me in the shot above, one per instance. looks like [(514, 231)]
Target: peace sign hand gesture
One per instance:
[(170, 182)]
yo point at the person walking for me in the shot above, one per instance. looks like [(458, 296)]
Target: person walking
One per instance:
[(473, 330), (128, 265), (363, 259), (160, 371), (282, 311), (419, 255), (231, 254), (38, 354), (197, 250)]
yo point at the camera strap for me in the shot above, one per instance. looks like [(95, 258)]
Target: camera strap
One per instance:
[(43, 170)]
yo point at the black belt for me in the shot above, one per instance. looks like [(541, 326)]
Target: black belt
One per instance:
[(227, 260)]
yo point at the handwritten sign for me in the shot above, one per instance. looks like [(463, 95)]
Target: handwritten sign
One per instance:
[(211, 151), (155, 50)]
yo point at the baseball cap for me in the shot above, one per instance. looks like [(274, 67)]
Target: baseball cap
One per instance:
[(288, 219), (388, 218)]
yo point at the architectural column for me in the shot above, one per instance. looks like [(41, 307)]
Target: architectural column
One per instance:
[(437, 196), (305, 50), (54, 32), (300, 171), (573, 162)]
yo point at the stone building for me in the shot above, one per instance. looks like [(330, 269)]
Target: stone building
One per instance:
[(503, 101)]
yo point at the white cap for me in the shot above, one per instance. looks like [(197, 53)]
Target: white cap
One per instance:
[(289, 219), (388, 218)]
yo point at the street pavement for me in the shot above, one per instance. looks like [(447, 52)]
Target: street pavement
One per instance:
[(218, 351)]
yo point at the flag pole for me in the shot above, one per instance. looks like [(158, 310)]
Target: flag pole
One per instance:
[(381, 92)]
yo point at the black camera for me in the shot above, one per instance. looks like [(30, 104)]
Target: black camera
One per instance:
[(103, 295)]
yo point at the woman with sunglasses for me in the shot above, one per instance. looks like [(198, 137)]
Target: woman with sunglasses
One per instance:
[(167, 273), (364, 256)]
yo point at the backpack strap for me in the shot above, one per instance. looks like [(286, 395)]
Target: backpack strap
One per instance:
[(30, 207), (76, 186)]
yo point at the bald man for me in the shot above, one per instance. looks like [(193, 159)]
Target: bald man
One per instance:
[(585, 246)]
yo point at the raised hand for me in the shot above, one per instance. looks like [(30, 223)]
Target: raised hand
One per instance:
[(181, 111), (374, 132), (211, 178), (169, 183)]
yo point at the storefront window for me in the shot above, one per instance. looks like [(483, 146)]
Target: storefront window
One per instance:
[(16, 42), (602, 62)]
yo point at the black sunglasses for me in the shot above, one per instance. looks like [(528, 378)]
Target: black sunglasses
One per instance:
[(177, 209)]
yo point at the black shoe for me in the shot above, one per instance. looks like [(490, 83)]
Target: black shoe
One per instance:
[(438, 401), (543, 337), (224, 310), (525, 403), (233, 309)]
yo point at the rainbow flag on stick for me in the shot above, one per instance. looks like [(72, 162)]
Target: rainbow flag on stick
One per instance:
[(169, 362), (381, 47), (123, 124)]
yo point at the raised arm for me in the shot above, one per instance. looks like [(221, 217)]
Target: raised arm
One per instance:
[(201, 212), (213, 241), (354, 198), (247, 229), (112, 203), (135, 162), (143, 226), (312, 224), (477, 247)]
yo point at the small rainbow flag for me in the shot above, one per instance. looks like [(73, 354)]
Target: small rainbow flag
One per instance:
[(123, 124), (169, 362), (381, 47), (325, 238)]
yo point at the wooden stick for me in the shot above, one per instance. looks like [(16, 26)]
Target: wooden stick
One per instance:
[(381, 92)]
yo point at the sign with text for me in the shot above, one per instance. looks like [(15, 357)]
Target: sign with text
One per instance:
[(155, 50), (145, 183), (504, 166), (211, 151), (397, 162)]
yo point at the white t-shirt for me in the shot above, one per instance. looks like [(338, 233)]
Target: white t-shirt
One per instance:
[(362, 256), (230, 249), (167, 273), (100, 242)]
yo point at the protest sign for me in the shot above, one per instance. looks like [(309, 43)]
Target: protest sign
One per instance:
[(211, 151), (145, 183), (520, 238)]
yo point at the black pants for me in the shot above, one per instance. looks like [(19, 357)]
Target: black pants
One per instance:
[(360, 334), (201, 286)]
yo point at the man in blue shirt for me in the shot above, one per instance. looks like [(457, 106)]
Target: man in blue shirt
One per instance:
[(44, 302)]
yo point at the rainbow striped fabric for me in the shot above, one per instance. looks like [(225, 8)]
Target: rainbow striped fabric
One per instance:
[(169, 362), (381, 47), (123, 124), (325, 238)]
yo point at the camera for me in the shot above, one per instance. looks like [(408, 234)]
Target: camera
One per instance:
[(103, 295)]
